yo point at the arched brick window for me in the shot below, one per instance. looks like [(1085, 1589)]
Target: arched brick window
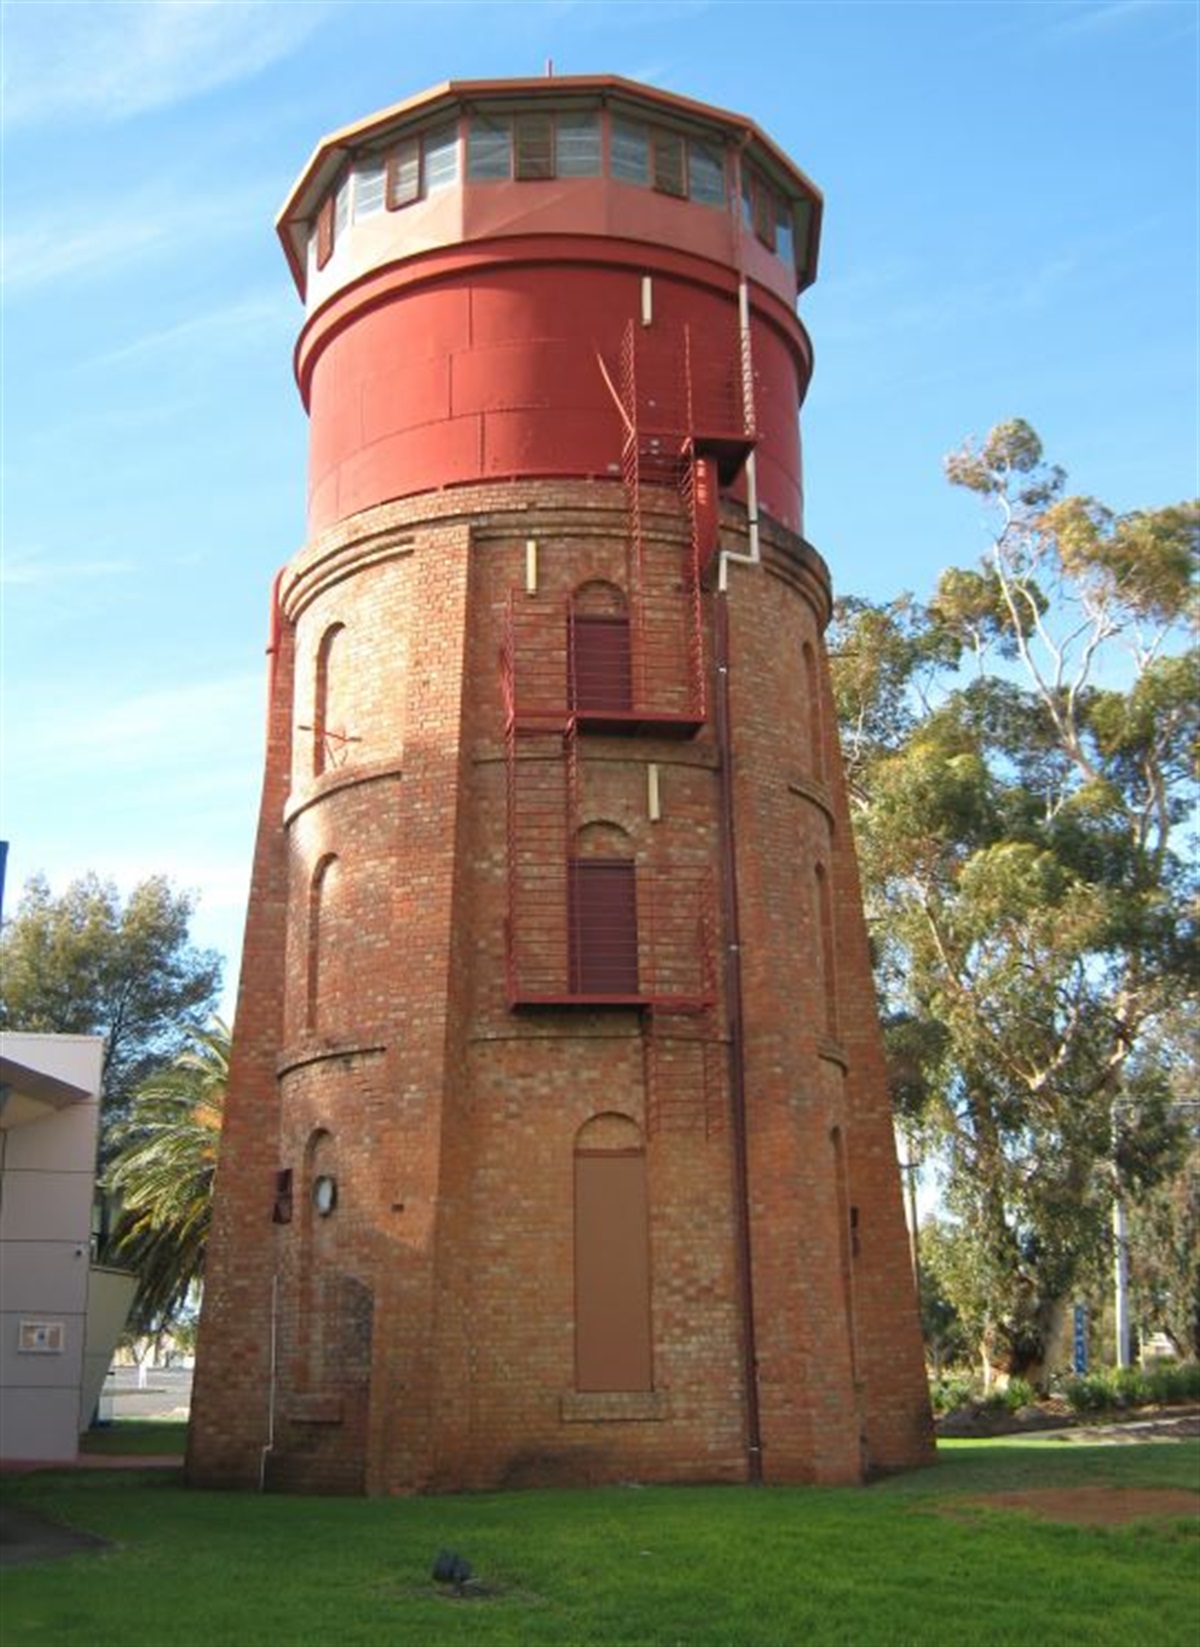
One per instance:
[(322, 894), (318, 1252), (847, 1216), (612, 1257), (324, 699), (828, 949)]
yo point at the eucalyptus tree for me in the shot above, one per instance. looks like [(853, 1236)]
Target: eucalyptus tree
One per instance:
[(88, 962), (1020, 748)]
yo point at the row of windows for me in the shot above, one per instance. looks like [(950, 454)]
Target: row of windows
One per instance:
[(537, 146), (417, 167), (529, 147)]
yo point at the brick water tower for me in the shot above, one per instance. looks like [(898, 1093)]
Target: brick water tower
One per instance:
[(558, 1145)]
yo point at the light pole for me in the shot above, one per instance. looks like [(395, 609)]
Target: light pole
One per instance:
[(1120, 1272), (1183, 1106)]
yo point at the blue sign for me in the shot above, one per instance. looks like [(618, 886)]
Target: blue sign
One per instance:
[(1081, 1324)]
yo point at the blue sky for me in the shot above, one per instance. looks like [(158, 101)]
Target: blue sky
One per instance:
[(1011, 230)]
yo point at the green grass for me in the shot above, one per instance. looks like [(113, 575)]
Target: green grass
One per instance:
[(137, 1438), (730, 1567)]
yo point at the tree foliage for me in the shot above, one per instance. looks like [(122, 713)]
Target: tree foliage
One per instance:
[(162, 1173), (1019, 750), (947, 1335), (85, 963)]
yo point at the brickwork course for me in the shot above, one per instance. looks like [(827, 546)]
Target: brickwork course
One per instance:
[(558, 1146)]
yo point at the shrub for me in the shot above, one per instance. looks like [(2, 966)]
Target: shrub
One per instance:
[(1128, 1386), (1089, 1393), (1124, 1387), (1171, 1382), (948, 1394), (1019, 1393)]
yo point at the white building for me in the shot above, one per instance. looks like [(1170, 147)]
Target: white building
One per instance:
[(60, 1316)]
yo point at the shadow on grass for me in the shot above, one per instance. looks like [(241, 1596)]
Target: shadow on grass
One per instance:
[(1004, 1464), (137, 1438)]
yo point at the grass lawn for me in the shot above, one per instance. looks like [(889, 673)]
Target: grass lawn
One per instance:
[(137, 1438), (911, 1560)]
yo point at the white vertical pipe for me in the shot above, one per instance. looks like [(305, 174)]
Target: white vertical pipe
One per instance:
[(755, 554), (1120, 1275), (653, 797)]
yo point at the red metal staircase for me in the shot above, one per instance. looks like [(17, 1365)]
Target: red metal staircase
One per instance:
[(687, 428)]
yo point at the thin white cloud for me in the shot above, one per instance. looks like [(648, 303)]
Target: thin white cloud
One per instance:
[(150, 732), (1108, 15), (109, 61), (862, 303), (55, 248), (145, 224), (257, 315), (30, 569)]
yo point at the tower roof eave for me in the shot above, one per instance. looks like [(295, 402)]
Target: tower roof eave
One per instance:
[(329, 155)]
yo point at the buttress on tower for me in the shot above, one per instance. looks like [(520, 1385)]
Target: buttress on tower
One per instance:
[(557, 1142)]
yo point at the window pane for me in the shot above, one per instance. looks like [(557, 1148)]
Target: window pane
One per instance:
[(489, 152), (747, 199), (368, 188), (441, 158), (668, 164), (577, 151), (341, 210), (404, 172), (630, 157), (785, 241), (706, 175)]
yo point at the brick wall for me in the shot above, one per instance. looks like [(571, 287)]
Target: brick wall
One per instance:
[(423, 1330)]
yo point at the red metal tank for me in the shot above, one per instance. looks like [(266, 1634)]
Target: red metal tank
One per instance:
[(462, 315)]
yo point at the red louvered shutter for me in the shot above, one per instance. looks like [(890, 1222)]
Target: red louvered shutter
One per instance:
[(325, 232), (669, 175), (602, 926), (601, 675), (533, 146)]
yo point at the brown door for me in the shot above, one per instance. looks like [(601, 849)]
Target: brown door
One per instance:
[(612, 1272)]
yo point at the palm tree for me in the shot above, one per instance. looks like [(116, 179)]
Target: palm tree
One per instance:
[(162, 1175)]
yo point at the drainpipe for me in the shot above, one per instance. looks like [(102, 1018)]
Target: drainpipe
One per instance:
[(737, 1055), (273, 1355), (274, 625)]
